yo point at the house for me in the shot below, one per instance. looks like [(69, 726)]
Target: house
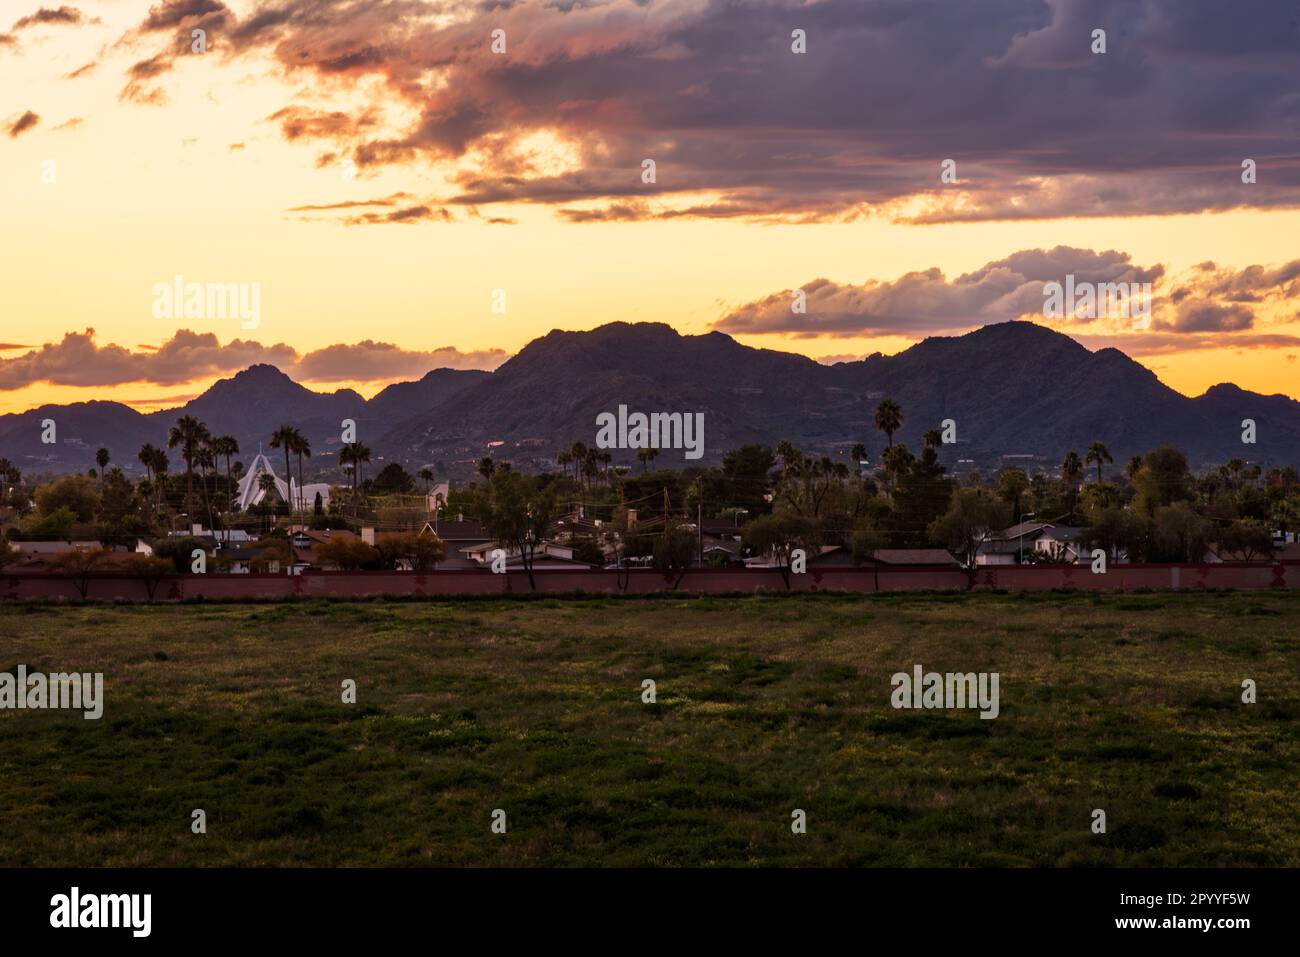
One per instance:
[(1063, 544), (458, 535), (547, 555), (912, 556), (305, 540)]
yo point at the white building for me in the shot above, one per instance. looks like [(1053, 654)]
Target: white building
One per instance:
[(251, 493)]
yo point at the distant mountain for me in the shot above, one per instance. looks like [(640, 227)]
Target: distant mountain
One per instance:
[(1012, 389)]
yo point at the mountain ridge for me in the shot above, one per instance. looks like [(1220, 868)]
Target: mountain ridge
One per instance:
[(1013, 388)]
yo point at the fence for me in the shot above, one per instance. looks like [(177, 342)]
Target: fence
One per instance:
[(317, 584)]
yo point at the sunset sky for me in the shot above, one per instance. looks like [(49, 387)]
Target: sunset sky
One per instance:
[(380, 171)]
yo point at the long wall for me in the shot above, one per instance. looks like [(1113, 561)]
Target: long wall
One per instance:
[(118, 587)]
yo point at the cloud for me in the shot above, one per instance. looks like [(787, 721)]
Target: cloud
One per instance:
[(46, 15), (926, 302), (1165, 343), (1207, 306), (22, 124), (77, 360), (370, 361), (742, 127), (1199, 315)]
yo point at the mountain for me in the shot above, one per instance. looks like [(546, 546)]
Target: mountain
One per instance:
[(1012, 388)]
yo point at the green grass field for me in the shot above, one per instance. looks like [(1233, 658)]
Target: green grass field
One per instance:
[(1128, 703)]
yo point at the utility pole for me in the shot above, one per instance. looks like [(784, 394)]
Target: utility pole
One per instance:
[(699, 527)]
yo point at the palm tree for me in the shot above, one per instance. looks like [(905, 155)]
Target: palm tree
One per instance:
[(1071, 473), (787, 453), (486, 467), (1134, 464), (858, 452), (146, 458), (1097, 452), (933, 438), (889, 419), (102, 458), (286, 437), (354, 454), (563, 460), (302, 447), (579, 455), (227, 447), (190, 434), (206, 460), (426, 476), (647, 456)]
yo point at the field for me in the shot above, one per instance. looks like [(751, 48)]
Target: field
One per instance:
[(1126, 703)]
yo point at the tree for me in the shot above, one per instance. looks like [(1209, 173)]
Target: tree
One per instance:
[(517, 513), (486, 467), (1161, 480), (779, 534), (102, 458), (426, 476), (645, 457), (392, 480), (354, 454), (301, 447), (150, 569), (286, 437), (1013, 483), (227, 447), (859, 454), (974, 516), (180, 551), (80, 566), (1119, 532), (1097, 452), (674, 551), (1179, 535), (77, 493), (889, 419), (1247, 539), (347, 554), (189, 434), (1071, 475), (421, 552)]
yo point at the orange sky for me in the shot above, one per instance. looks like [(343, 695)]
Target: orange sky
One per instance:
[(142, 193)]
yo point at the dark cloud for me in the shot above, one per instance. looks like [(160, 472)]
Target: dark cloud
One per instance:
[(46, 15), (22, 124), (78, 360), (1038, 125), (1200, 315)]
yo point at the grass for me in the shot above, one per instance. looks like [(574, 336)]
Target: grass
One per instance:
[(1128, 703)]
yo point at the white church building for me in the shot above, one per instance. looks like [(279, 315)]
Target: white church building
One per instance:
[(251, 493)]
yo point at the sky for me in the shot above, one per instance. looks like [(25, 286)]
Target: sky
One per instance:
[(399, 185)]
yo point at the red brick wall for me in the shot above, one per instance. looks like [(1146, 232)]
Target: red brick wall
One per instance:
[(644, 581)]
